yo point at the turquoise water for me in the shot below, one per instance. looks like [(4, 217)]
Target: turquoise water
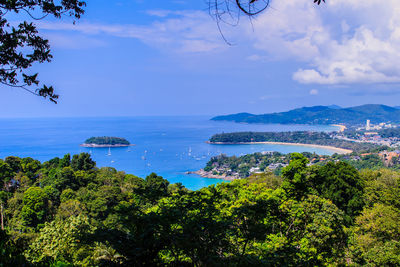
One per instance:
[(162, 143)]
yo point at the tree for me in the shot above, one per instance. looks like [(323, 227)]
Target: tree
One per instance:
[(35, 207), (376, 238), (295, 176), (21, 46), (63, 240), (82, 162), (341, 183)]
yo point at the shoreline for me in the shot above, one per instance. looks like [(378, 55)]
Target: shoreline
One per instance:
[(337, 149), (209, 175), (95, 145), (342, 127)]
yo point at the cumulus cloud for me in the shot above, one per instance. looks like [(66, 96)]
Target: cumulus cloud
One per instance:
[(340, 42), (345, 42)]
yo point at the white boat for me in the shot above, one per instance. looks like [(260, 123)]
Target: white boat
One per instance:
[(109, 151)]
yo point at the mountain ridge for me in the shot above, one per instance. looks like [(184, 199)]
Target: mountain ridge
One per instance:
[(333, 114)]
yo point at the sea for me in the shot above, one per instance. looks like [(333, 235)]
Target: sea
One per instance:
[(168, 146)]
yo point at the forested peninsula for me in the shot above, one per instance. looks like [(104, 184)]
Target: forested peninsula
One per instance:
[(298, 137), (68, 212), (106, 141)]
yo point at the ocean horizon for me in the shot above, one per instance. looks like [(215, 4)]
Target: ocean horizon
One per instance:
[(167, 145)]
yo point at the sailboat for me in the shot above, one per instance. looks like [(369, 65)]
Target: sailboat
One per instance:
[(109, 151)]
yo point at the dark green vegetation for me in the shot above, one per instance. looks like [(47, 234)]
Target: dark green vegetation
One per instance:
[(390, 133), (67, 212), (21, 46), (322, 115), (107, 140), (246, 165), (315, 138)]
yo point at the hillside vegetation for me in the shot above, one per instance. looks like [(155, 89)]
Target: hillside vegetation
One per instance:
[(315, 138), (322, 115), (68, 212)]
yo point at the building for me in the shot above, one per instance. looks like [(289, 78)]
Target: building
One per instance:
[(368, 126)]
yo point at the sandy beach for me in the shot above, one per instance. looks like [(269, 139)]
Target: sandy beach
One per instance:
[(342, 127), (336, 149)]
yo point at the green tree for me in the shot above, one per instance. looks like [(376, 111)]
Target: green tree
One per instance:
[(376, 238), (6, 173), (63, 241), (295, 176), (21, 46), (82, 162), (155, 187), (340, 183), (65, 161), (14, 163), (35, 207)]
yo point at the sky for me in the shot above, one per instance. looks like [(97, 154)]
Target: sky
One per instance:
[(170, 57)]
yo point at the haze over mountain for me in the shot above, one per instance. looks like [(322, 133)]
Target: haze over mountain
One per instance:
[(322, 115)]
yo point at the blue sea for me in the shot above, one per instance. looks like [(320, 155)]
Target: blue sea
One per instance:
[(168, 146)]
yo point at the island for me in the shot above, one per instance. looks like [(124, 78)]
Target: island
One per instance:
[(106, 141)]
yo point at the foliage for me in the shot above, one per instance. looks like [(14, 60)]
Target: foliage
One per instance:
[(21, 46), (303, 137), (70, 213), (107, 140)]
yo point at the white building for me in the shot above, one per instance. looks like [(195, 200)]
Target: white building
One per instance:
[(368, 127)]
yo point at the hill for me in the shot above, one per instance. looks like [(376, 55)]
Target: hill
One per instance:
[(321, 115)]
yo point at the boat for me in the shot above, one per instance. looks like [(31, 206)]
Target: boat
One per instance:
[(109, 151)]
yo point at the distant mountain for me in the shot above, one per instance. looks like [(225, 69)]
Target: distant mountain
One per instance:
[(334, 107), (322, 115), (397, 107)]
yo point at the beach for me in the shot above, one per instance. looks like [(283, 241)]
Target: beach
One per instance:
[(342, 127), (335, 149)]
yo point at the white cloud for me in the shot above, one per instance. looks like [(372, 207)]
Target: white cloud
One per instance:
[(340, 42), (343, 42), (314, 92), (186, 31)]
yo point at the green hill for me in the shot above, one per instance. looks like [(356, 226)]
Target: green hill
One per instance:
[(321, 115)]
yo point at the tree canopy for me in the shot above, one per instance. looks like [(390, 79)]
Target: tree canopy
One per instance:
[(21, 46), (67, 212)]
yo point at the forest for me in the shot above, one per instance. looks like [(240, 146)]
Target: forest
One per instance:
[(68, 212), (303, 137)]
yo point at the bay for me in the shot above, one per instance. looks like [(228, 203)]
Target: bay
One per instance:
[(168, 146)]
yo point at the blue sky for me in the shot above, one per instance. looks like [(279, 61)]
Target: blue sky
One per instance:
[(148, 57)]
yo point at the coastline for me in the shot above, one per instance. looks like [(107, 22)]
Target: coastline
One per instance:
[(337, 149), (342, 127), (95, 145), (209, 175)]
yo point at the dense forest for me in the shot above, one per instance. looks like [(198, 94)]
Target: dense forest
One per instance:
[(303, 137), (68, 212), (322, 115), (275, 161), (107, 140)]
